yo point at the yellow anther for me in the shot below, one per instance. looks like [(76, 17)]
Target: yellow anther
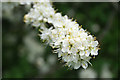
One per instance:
[(84, 64), (94, 38), (69, 46), (69, 37), (69, 32), (25, 16), (98, 48), (40, 30), (81, 26), (76, 22)]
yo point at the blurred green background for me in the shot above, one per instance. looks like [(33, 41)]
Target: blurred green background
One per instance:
[(24, 55)]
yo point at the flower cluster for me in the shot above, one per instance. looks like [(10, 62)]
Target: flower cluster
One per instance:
[(74, 45)]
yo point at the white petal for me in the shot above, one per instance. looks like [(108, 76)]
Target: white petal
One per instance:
[(87, 53), (94, 51), (50, 20), (59, 54), (63, 50), (82, 53), (40, 18), (77, 65), (36, 23), (84, 64), (65, 43), (94, 43), (81, 48), (89, 38)]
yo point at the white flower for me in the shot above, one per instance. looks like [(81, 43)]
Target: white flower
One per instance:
[(72, 43), (36, 24), (77, 65), (84, 64), (87, 53), (94, 51), (94, 43), (82, 53)]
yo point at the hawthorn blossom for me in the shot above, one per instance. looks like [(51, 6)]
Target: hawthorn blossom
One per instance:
[(70, 41)]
